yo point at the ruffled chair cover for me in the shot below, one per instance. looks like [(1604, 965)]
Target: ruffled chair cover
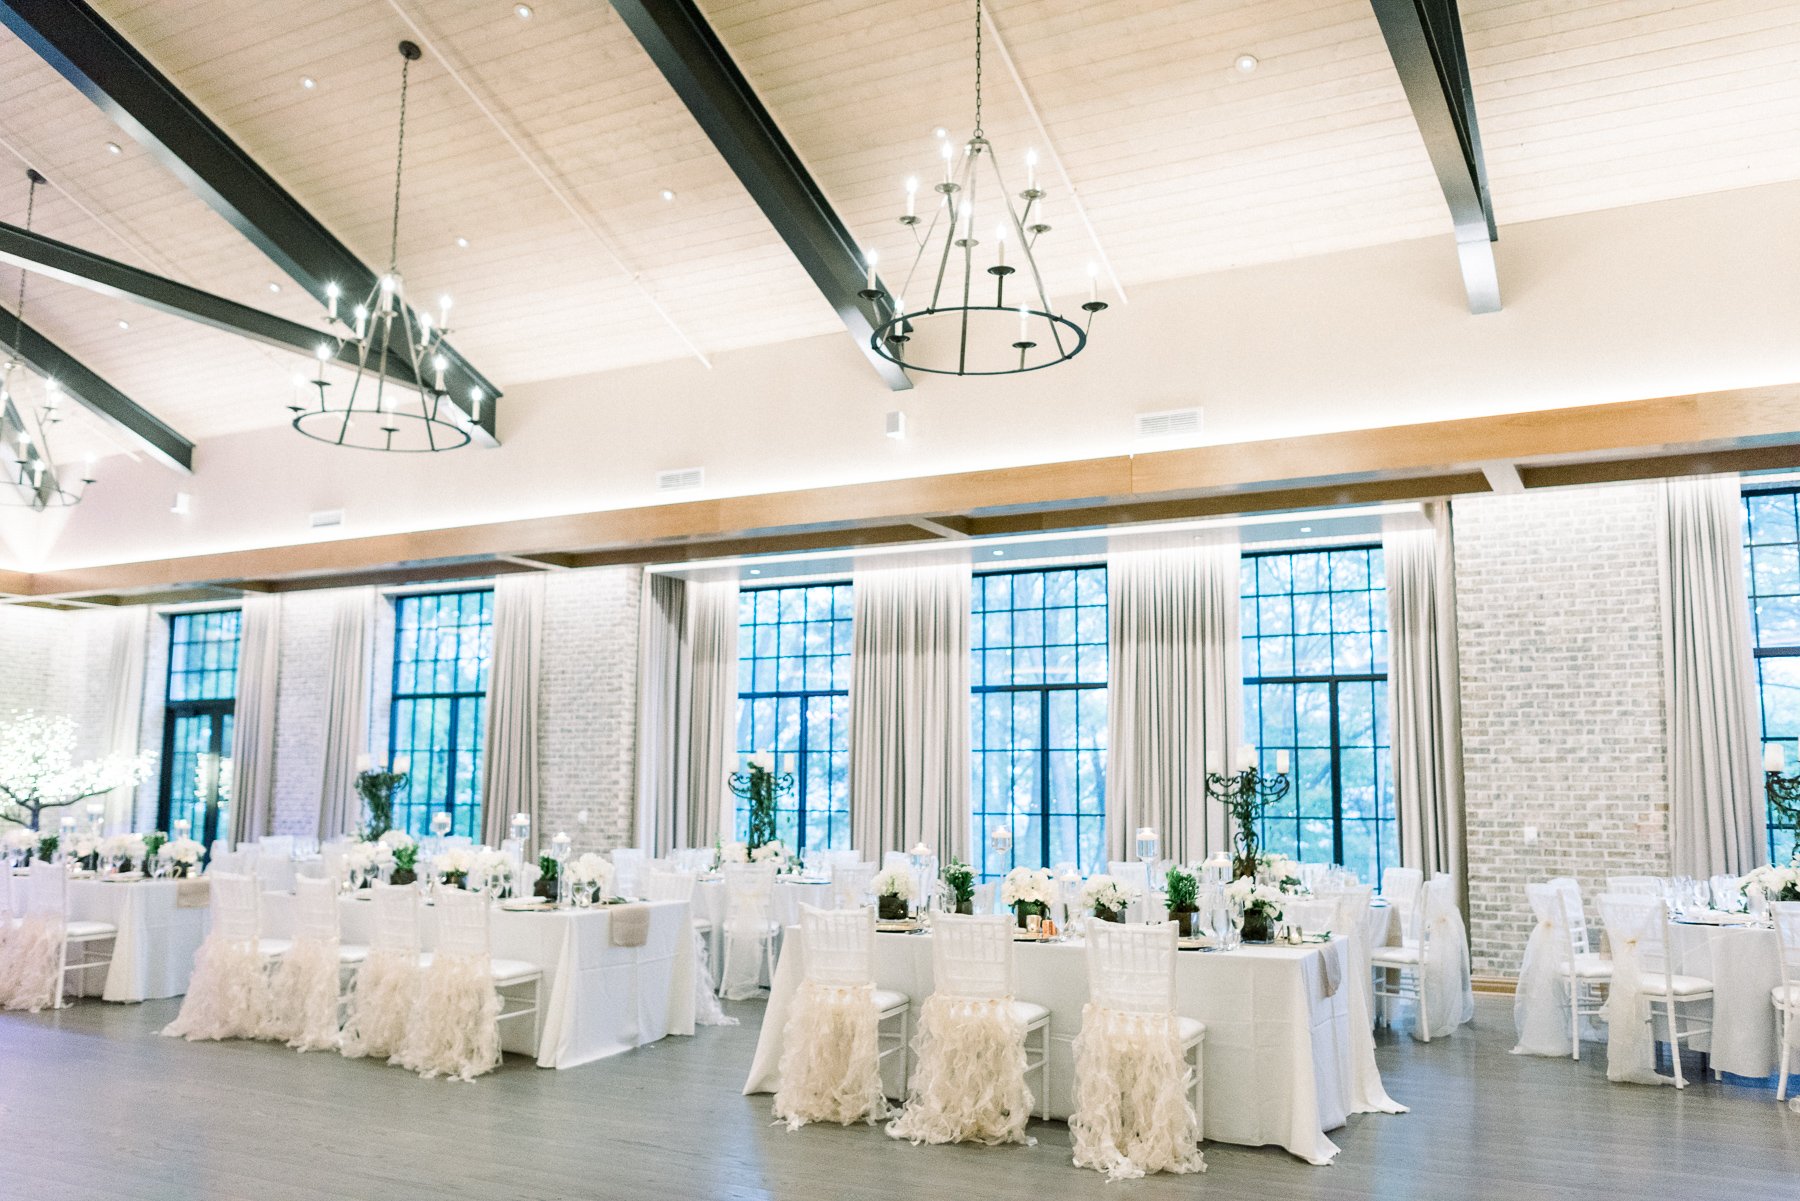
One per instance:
[(31, 971), (1634, 928), (749, 914), (303, 994), (1448, 988), (830, 1062), (1133, 1112), (228, 994), (968, 1082), (387, 985), (455, 1028)]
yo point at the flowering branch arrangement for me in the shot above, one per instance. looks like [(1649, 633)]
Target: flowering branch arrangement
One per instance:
[(38, 769), (758, 784)]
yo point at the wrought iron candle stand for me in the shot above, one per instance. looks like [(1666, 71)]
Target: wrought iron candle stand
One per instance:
[(1784, 794), (1245, 796), (758, 787)]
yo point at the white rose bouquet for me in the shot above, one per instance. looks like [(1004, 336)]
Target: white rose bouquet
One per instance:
[(1772, 883), (453, 866), (734, 852), (1028, 890), (1261, 904), (493, 871), (894, 888), (182, 855), (769, 852), (397, 840), (1106, 897), (590, 878)]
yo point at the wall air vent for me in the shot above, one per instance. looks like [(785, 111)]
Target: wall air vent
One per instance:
[(1170, 423), (682, 479)]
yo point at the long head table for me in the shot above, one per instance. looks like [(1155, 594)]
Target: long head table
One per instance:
[(1288, 1053), (598, 999)]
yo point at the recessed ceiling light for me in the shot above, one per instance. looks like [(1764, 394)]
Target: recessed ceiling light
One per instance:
[(124, 324), (940, 132), (1306, 529), (274, 287), (756, 571), (522, 11), (308, 82), (1245, 63), (667, 194), (114, 148), (998, 553), (462, 243)]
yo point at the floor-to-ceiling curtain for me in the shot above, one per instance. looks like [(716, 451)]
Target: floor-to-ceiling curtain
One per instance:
[(253, 725), (1424, 694), (909, 709), (127, 641), (509, 760), (1175, 692), (1715, 788), (346, 710), (687, 710)]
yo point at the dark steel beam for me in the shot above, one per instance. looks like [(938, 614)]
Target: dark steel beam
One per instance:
[(93, 393), (88, 52), (1424, 38), (697, 65), (108, 277)]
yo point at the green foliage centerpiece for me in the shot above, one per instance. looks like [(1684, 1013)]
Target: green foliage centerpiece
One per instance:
[(758, 785), (1184, 899), (377, 789), (1246, 795), (959, 882)]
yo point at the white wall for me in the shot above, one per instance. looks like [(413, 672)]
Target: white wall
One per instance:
[(1684, 295)]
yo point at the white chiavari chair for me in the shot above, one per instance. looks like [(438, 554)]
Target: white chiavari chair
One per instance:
[(379, 1008), (306, 993), (750, 929), (1644, 981), (1139, 1099), (833, 1044), (466, 993), (1401, 888), (228, 994), (1786, 995)]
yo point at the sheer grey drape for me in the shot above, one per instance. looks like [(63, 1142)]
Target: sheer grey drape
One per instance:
[(1175, 702), (346, 710), (127, 641), (1424, 696), (1715, 787), (909, 710), (253, 726), (687, 710), (509, 762)]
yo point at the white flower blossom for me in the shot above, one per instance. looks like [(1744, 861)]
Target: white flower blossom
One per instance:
[(734, 852), (892, 882), (769, 852), (1105, 892), (1028, 885), (181, 850)]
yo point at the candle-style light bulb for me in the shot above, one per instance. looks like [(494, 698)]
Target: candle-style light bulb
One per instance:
[(475, 403), (424, 330), (438, 363), (331, 299), (1031, 170), (944, 149), (362, 322), (387, 293), (871, 256), (443, 314), (1093, 282), (87, 467), (1000, 242), (912, 194)]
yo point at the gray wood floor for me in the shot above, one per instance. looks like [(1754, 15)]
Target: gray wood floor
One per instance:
[(94, 1105)]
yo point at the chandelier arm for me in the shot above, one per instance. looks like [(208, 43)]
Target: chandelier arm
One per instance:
[(1037, 276)]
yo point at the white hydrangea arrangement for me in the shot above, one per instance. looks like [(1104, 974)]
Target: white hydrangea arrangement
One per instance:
[(769, 852), (1248, 894), (124, 848), (590, 877), (454, 865), (368, 858), (84, 846), (1102, 891), (733, 852), (893, 882), (1772, 883), (182, 855), (397, 839), (1280, 872), (493, 871), (1028, 886)]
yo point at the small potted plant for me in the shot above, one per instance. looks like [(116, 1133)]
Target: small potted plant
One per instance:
[(548, 870), (1105, 897), (152, 856), (893, 889), (405, 856), (1028, 892), (1261, 904), (959, 882), (1184, 894), (46, 847)]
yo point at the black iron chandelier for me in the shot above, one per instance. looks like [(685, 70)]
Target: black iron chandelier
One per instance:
[(396, 400), (955, 331), (26, 422)]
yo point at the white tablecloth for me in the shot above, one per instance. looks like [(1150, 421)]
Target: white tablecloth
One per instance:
[(154, 954), (1744, 964), (598, 999), (790, 893), (1284, 1062)]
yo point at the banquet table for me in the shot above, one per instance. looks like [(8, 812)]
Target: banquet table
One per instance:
[(599, 1000), (154, 953), (1288, 1053), (1744, 964)]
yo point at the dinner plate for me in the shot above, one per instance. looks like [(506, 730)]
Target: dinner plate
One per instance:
[(525, 904)]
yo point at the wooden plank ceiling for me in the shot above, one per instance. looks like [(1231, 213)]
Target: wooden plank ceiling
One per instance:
[(1183, 163)]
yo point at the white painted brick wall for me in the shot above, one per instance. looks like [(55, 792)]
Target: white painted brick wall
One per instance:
[(1562, 699), (306, 619)]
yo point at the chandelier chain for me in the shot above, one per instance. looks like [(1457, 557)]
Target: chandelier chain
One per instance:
[(399, 158), (19, 312), (977, 68)]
